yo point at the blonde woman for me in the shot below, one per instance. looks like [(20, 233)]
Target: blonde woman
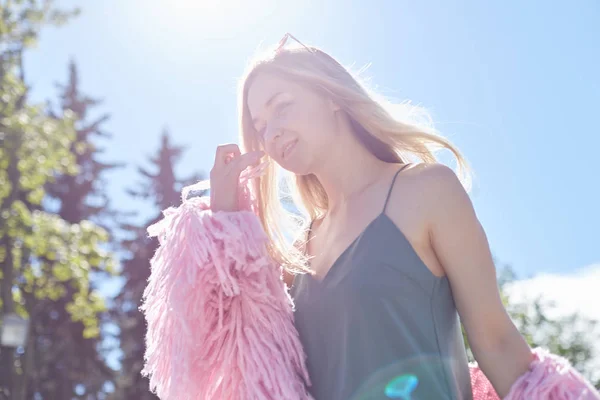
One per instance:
[(393, 258), (395, 250)]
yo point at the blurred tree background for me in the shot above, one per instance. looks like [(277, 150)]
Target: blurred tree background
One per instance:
[(572, 336), (60, 236)]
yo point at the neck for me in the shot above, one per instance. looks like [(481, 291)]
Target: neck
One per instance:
[(348, 170)]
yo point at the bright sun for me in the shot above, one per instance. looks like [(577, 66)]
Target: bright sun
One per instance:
[(206, 17), (192, 27)]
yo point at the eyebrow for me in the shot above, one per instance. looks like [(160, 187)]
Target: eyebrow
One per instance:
[(267, 105)]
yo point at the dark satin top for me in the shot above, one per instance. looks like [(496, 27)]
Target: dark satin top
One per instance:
[(380, 325)]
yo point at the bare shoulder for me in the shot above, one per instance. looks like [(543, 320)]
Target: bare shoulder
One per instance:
[(426, 188), (432, 173), (433, 180), (419, 197)]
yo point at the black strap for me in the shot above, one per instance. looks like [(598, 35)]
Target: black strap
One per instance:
[(392, 186), (309, 229), (308, 233)]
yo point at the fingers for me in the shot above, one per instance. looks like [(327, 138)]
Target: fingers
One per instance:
[(255, 171), (230, 162), (225, 153), (225, 175), (245, 160)]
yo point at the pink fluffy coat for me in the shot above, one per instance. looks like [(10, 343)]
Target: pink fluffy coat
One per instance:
[(220, 320)]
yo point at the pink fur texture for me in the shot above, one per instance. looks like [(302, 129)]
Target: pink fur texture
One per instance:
[(220, 321), (481, 386), (550, 377)]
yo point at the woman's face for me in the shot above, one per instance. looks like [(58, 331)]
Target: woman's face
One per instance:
[(296, 125)]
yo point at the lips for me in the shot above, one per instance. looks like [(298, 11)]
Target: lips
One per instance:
[(288, 148)]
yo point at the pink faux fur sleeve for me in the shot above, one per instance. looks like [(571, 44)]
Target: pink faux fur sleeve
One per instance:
[(550, 377), (220, 321)]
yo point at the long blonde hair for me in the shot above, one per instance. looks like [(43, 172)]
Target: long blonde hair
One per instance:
[(393, 133)]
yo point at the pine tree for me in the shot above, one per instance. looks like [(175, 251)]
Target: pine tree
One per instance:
[(162, 188), (80, 197), (83, 196)]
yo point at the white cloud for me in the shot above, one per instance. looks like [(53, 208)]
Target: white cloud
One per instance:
[(575, 292)]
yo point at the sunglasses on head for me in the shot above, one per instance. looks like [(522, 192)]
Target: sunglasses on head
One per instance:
[(284, 40)]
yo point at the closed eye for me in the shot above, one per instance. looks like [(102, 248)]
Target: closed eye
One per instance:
[(280, 110)]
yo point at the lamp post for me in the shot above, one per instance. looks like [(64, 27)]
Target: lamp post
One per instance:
[(13, 334), (13, 331)]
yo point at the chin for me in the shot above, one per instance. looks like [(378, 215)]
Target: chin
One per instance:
[(294, 169), (295, 166), (298, 163)]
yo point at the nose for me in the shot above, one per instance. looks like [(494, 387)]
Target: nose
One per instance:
[(272, 133)]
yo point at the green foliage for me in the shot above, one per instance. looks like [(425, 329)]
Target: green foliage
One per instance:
[(22, 20), (47, 261), (572, 336), (39, 146)]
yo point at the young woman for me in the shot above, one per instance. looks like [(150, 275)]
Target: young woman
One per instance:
[(396, 251), (394, 257)]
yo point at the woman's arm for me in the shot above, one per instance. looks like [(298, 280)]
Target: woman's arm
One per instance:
[(461, 246), (217, 314)]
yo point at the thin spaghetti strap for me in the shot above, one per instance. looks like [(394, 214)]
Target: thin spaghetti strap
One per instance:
[(392, 187), (309, 231)]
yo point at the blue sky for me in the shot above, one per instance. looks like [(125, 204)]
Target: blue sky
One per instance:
[(516, 85)]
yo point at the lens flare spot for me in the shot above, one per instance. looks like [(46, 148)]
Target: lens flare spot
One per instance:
[(401, 387)]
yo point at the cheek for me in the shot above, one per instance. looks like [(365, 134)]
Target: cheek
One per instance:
[(269, 148), (316, 124)]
